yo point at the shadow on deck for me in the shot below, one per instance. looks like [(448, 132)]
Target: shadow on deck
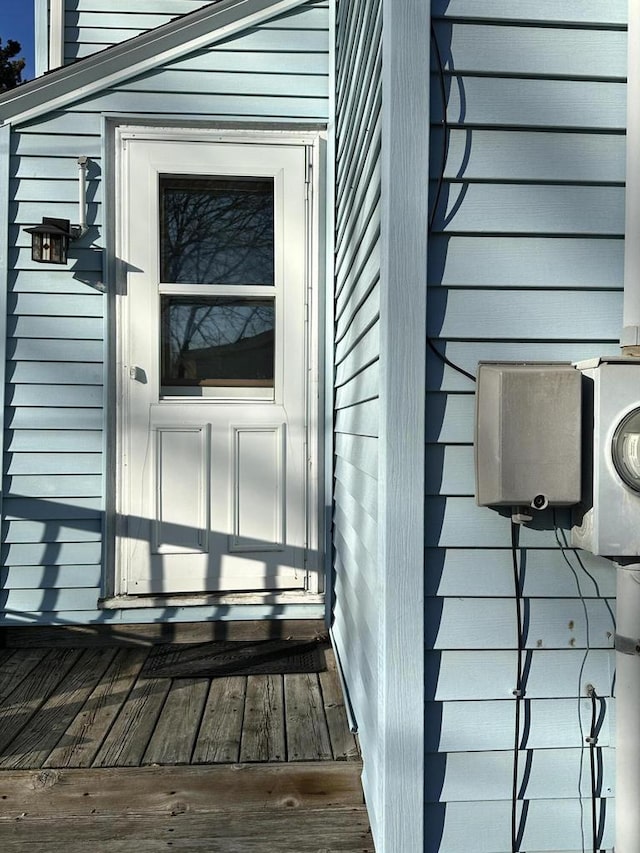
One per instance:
[(96, 754)]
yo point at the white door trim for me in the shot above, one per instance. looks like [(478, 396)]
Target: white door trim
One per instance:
[(314, 146)]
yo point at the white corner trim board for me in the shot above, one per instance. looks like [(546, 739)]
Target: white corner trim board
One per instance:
[(405, 127), (56, 34), (631, 311), (5, 148)]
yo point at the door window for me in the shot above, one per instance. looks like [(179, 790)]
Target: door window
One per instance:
[(216, 230), (217, 341), (217, 286)]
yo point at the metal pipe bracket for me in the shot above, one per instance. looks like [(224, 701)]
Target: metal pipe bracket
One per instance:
[(626, 645)]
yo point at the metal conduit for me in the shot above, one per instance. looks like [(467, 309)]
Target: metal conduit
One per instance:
[(628, 574)]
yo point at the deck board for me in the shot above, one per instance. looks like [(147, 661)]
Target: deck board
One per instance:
[(33, 691), (14, 668), (84, 736), (35, 741), (263, 736), (168, 790), (221, 728), (343, 743), (175, 733), (306, 724), (127, 740), (302, 831)]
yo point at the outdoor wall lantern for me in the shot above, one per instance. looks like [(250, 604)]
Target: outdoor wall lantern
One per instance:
[(50, 239)]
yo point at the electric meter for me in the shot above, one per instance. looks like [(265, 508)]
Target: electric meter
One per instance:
[(625, 449), (607, 521)]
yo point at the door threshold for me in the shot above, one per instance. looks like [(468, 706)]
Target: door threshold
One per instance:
[(123, 602)]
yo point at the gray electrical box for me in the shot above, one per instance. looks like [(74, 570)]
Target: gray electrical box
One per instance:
[(608, 520), (528, 434)]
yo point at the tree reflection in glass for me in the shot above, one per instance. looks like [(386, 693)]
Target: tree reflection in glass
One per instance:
[(216, 230), (220, 341)]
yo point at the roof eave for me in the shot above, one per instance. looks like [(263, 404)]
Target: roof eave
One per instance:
[(109, 67)]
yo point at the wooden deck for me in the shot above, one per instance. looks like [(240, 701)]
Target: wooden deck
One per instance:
[(95, 754)]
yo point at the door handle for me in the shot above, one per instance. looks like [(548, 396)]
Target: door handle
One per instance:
[(138, 375)]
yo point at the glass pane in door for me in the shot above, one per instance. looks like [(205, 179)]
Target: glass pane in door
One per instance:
[(217, 341), (216, 230)]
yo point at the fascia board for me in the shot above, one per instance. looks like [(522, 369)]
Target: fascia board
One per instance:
[(198, 29)]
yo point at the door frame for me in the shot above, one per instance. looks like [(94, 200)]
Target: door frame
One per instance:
[(314, 141)]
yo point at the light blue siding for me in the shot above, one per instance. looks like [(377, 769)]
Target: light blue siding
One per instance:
[(204, 81), (231, 106), (548, 209), (54, 482), (551, 624), (529, 261), (53, 509), (551, 51), (488, 673), (522, 155), (612, 12), (55, 463), (498, 314), (32, 531), (541, 103), (357, 614), (95, 24), (489, 572), (462, 770), (487, 725), (525, 263), (50, 577), (553, 824), (92, 25)]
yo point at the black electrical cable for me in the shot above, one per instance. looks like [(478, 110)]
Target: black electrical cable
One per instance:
[(593, 740), (580, 562), (443, 162), (448, 361), (518, 692), (444, 125)]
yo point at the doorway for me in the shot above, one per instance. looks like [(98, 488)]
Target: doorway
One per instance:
[(216, 386)]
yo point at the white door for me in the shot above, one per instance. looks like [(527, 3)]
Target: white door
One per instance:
[(212, 326)]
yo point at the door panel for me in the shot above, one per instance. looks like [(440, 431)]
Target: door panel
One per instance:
[(213, 487), (258, 488), (182, 481)]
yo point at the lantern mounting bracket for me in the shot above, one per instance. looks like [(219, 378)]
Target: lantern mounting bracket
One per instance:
[(50, 239)]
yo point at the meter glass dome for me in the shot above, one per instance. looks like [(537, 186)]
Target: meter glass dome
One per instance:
[(626, 449)]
